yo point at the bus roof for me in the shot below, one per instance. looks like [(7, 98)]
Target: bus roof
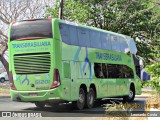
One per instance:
[(90, 27)]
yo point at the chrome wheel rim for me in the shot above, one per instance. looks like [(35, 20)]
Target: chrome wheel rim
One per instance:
[(130, 94)]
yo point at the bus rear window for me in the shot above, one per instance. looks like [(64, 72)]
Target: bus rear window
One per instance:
[(31, 29)]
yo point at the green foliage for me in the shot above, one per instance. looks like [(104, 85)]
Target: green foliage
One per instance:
[(136, 18), (154, 71)]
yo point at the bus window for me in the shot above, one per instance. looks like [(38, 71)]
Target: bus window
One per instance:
[(104, 70), (112, 71), (132, 45), (83, 37), (123, 45), (98, 70), (105, 39), (125, 72), (95, 39), (73, 35), (31, 29), (64, 33), (115, 43)]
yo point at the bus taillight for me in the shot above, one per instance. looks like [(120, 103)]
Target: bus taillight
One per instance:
[(56, 79), (13, 87)]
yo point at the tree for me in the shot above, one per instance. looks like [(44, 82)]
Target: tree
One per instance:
[(135, 18), (13, 10), (154, 71)]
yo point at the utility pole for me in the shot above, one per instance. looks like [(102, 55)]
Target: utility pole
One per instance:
[(61, 9)]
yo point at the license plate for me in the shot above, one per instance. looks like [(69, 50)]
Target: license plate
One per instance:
[(32, 94)]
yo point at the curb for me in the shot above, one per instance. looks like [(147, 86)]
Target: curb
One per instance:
[(139, 96), (5, 96)]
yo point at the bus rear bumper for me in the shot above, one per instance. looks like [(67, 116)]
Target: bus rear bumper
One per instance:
[(33, 96)]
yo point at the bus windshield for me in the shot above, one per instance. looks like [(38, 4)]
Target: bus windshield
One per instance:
[(31, 29), (132, 45)]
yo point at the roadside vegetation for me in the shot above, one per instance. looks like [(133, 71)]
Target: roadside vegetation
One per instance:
[(4, 89)]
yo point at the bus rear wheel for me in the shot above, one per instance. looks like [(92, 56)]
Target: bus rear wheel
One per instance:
[(40, 104), (131, 95), (90, 98), (81, 101)]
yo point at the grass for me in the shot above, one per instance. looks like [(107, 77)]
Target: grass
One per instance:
[(154, 100), (4, 89)]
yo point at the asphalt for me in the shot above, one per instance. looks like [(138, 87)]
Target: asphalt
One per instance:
[(65, 110), (5, 96)]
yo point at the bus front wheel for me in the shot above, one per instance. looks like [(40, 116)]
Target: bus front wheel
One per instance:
[(40, 104), (131, 95), (81, 101), (90, 98)]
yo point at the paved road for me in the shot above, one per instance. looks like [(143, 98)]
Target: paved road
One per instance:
[(63, 110)]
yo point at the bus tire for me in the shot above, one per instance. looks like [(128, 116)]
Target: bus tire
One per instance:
[(81, 101), (90, 98), (40, 104), (131, 95)]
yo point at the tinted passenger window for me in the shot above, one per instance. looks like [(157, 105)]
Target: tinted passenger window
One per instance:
[(103, 70), (64, 31), (73, 35), (83, 37), (95, 39), (106, 43), (125, 72), (98, 70), (124, 45), (27, 29), (115, 43)]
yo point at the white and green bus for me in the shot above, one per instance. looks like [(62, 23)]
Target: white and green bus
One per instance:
[(53, 61)]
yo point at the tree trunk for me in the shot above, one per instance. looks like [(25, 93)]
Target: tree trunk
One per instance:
[(5, 63), (3, 60)]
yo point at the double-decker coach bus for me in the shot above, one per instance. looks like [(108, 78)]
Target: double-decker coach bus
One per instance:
[(53, 61)]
